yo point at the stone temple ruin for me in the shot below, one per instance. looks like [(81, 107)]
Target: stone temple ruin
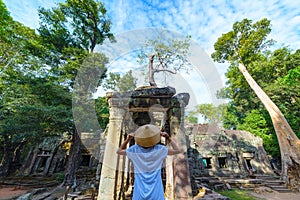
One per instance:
[(227, 153), (238, 157), (130, 110), (208, 150)]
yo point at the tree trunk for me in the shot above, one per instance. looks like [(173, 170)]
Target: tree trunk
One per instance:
[(6, 159), (73, 161), (151, 71), (289, 143)]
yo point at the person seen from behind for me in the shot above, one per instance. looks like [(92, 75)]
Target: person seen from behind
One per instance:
[(147, 156)]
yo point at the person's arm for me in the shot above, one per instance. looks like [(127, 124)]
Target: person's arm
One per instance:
[(175, 149), (122, 148)]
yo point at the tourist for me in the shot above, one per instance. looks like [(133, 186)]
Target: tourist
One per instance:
[(147, 156)]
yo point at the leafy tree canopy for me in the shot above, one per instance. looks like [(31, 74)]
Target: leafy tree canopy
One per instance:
[(75, 23)]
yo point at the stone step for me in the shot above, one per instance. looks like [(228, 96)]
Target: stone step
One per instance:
[(206, 179), (267, 177), (274, 182), (213, 197), (220, 186), (83, 197), (243, 181), (280, 188), (283, 190)]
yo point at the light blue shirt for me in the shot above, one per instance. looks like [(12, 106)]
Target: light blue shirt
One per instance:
[(147, 164)]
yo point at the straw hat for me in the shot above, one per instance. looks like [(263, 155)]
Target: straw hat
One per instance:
[(147, 135)]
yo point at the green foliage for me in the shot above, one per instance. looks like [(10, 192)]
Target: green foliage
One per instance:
[(165, 55), (59, 177), (71, 32), (92, 73), (211, 113), (119, 83), (256, 123), (5, 19), (287, 98), (102, 111), (75, 23), (169, 53), (192, 119), (34, 108), (230, 118), (37, 72), (16, 44), (30, 106), (292, 78), (275, 71), (244, 43)]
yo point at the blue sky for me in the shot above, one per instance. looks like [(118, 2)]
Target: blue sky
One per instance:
[(204, 20)]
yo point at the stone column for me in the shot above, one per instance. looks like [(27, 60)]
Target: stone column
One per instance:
[(107, 187), (182, 181), (169, 191)]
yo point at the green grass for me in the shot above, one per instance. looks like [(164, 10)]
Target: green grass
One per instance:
[(237, 194)]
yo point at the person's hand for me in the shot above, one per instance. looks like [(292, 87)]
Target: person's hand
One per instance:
[(130, 136), (164, 134)]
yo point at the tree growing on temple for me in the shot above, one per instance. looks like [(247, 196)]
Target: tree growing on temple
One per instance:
[(246, 45), (165, 55)]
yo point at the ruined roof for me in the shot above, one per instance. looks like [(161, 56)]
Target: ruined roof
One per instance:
[(209, 138), (242, 135)]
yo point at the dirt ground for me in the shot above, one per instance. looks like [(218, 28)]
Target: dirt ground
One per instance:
[(278, 196), (11, 192), (7, 193)]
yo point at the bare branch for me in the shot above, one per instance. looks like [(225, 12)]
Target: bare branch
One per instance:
[(164, 70)]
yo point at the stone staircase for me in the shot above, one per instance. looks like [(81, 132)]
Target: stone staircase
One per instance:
[(223, 183), (204, 188), (274, 182)]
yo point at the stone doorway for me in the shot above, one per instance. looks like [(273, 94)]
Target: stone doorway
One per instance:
[(207, 163), (222, 162)]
